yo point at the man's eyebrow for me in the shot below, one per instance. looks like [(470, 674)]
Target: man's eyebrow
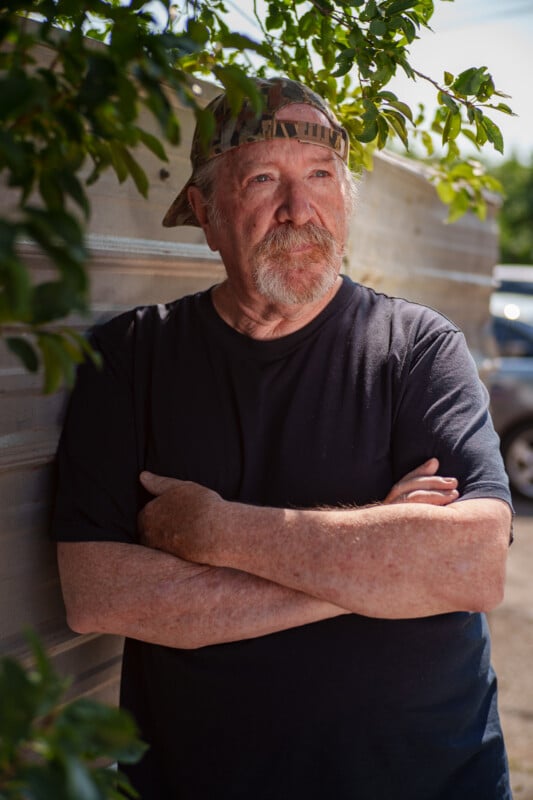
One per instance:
[(259, 164)]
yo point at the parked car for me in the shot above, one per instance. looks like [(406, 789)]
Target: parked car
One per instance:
[(509, 376)]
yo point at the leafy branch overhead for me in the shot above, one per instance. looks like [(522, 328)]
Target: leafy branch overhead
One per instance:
[(66, 123)]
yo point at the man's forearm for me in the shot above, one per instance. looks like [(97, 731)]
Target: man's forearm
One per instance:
[(387, 561), (145, 594), (407, 560)]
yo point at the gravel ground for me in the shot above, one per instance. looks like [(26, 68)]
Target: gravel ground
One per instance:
[(512, 646)]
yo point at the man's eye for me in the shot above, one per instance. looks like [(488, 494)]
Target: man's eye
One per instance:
[(260, 179), (321, 173)]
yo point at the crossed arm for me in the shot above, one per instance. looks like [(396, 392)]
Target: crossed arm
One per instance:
[(216, 571)]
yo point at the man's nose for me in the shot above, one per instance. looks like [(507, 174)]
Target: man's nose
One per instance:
[(294, 204)]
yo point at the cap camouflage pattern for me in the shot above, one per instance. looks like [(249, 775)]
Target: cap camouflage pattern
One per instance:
[(247, 127)]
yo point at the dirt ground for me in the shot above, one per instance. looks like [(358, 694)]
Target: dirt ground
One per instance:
[(512, 647)]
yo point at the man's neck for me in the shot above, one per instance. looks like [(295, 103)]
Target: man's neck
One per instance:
[(260, 319)]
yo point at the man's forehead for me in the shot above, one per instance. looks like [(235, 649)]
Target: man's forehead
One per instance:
[(263, 154)]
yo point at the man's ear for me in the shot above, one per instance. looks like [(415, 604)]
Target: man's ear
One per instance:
[(200, 209)]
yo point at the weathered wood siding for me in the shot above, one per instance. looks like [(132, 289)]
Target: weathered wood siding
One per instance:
[(399, 243)]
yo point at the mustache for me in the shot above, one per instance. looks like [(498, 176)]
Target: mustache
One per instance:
[(286, 237)]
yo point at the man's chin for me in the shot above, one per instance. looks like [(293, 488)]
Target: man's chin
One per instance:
[(295, 286)]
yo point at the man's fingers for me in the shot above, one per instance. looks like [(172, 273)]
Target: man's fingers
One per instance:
[(431, 497), (416, 482), (158, 484), (433, 482)]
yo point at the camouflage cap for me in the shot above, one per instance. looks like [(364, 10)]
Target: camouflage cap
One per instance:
[(247, 127)]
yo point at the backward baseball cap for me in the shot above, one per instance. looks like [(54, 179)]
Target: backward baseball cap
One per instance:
[(232, 131)]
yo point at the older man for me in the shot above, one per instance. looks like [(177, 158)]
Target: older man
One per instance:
[(288, 635)]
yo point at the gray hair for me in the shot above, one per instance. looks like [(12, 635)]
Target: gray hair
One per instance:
[(204, 179)]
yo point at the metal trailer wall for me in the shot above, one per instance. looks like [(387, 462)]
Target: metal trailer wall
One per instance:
[(399, 243)]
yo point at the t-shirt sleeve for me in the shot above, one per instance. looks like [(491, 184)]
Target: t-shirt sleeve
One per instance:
[(443, 411), (98, 491)]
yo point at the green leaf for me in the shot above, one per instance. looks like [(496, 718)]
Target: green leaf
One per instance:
[(403, 108), (505, 109), (118, 161), (447, 101), (53, 300), (452, 127), (84, 347), (383, 131), (427, 141), (409, 31), (481, 131), (198, 32), (79, 782), (371, 10), (369, 133), (238, 86), (205, 125), (240, 42), (452, 153), (153, 144), (15, 279), (18, 705), (345, 61), (378, 27), (309, 24), (24, 351), (494, 134), (460, 205), (58, 366), (51, 191), (18, 93), (464, 170), (100, 729), (445, 191), (274, 20), (470, 136), (397, 123), (72, 186), (401, 5), (470, 81)]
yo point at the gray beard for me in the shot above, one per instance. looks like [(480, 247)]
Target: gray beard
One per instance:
[(274, 266)]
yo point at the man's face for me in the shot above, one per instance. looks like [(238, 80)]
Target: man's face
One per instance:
[(281, 216)]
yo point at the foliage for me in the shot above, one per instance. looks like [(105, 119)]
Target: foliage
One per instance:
[(79, 116), (516, 215), (50, 751)]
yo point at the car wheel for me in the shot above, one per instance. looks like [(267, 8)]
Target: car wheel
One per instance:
[(517, 449)]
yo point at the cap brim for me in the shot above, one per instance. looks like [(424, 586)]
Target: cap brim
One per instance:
[(180, 212)]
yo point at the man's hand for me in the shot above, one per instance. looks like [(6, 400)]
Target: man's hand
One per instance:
[(422, 485), (180, 518)]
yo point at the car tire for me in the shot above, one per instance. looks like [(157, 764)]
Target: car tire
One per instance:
[(517, 450)]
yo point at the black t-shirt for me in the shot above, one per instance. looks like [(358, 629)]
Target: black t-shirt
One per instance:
[(332, 414)]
